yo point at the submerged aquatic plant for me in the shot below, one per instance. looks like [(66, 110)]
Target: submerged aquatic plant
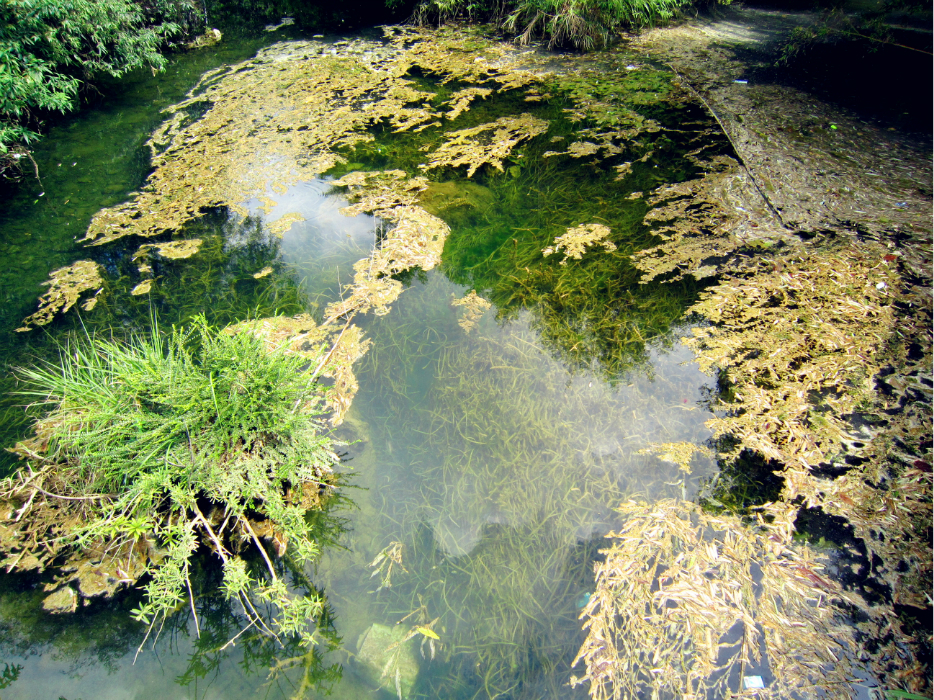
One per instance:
[(156, 446)]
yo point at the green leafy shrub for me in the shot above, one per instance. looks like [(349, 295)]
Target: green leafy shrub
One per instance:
[(155, 447), (48, 47)]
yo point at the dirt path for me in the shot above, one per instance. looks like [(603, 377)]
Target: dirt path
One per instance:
[(820, 166)]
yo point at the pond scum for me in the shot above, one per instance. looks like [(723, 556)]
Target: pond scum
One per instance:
[(810, 339)]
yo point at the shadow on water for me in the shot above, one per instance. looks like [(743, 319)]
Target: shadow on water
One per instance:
[(489, 455)]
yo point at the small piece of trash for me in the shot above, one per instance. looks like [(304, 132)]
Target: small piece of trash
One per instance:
[(881, 285), (741, 82), (752, 682), (901, 204), (632, 67)]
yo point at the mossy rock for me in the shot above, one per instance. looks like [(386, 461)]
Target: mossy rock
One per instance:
[(386, 659)]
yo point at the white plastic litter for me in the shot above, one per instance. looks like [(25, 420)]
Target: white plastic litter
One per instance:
[(750, 682)]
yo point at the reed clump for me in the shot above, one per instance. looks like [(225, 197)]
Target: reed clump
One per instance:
[(152, 448)]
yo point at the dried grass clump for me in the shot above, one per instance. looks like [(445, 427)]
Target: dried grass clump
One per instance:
[(687, 604)]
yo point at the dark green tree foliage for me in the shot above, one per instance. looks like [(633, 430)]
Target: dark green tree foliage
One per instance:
[(48, 48)]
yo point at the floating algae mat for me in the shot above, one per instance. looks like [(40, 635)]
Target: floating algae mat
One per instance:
[(466, 219)]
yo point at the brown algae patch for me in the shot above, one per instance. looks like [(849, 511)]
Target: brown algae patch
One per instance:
[(66, 285), (474, 307), (577, 239)]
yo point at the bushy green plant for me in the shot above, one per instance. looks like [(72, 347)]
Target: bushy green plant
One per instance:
[(156, 446), (48, 47)]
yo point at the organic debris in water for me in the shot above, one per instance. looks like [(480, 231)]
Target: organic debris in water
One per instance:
[(176, 250), (485, 144), (460, 100), (387, 561), (65, 287), (680, 453), (804, 339), (284, 223), (416, 240), (474, 306), (282, 117), (143, 287), (577, 239), (802, 334), (684, 601)]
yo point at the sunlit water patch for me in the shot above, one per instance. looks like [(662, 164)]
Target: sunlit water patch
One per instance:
[(512, 396)]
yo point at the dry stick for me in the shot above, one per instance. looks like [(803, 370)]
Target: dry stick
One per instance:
[(259, 545), (222, 553), (736, 150), (191, 599), (93, 497)]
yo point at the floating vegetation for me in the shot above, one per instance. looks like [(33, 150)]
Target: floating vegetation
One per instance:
[(804, 338), (474, 307), (486, 144), (460, 100), (284, 223), (416, 240), (680, 453), (154, 447), (174, 250), (803, 334), (66, 285), (576, 241), (143, 287), (300, 335), (282, 117), (689, 604)]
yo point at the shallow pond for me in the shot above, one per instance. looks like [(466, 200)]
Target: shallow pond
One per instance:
[(508, 402)]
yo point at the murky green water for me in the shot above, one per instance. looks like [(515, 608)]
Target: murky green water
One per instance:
[(487, 461)]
